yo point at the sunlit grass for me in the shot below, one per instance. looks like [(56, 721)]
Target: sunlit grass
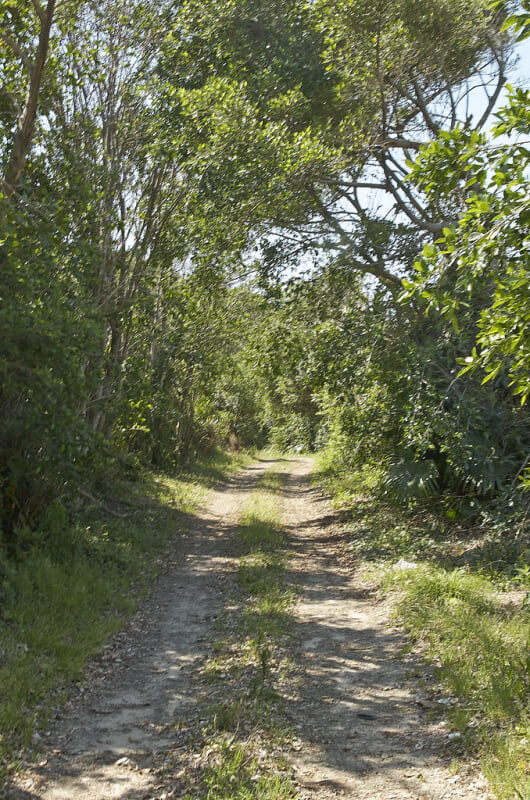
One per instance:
[(262, 563), (271, 480), (506, 762), (381, 529), (481, 650), (234, 773), (450, 601)]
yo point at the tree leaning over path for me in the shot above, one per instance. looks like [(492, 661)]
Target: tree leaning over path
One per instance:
[(302, 117)]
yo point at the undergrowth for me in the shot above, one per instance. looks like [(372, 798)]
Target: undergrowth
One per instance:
[(74, 583), (452, 532), (449, 591)]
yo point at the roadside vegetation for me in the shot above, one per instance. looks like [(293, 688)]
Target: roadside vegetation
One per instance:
[(64, 596), (460, 587)]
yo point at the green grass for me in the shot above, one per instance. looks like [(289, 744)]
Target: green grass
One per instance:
[(435, 530), (481, 649), (74, 585), (262, 564), (215, 465), (234, 772), (451, 603), (242, 715), (272, 480)]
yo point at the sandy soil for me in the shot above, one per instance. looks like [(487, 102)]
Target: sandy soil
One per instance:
[(362, 709), (364, 706)]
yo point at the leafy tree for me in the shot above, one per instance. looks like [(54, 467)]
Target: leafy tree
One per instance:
[(482, 263), (82, 246), (25, 31), (177, 162), (296, 117), (181, 392)]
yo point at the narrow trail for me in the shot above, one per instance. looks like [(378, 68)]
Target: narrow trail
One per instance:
[(110, 737), (361, 732), (365, 735)]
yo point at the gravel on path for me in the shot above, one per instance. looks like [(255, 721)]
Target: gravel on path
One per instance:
[(359, 699)]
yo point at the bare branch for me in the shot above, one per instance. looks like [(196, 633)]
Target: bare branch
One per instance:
[(422, 105), (421, 221), (398, 166), (375, 268), (501, 80), (452, 102), (339, 183), (403, 144), (100, 503)]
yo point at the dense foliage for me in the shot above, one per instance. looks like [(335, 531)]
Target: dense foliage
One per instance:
[(206, 214)]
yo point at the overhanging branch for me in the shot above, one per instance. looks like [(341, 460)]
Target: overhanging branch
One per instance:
[(375, 268)]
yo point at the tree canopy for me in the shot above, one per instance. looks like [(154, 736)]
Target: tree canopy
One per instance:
[(243, 222), (303, 116)]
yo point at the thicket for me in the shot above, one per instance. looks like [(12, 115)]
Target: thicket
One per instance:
[(376, 168), (236, 223)]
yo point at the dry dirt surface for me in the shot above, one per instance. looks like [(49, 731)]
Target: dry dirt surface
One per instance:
[(365, 704), (361, 709)]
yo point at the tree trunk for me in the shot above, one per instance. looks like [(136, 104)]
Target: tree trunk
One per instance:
[(26, 122)]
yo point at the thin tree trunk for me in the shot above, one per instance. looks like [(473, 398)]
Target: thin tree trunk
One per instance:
[(26, 122)]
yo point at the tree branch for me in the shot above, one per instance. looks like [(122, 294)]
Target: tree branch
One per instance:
[(494, 96), (339, 183), (377, 269), (15, 47), (39, 11), (26, 123), (101, 504), (403, 144), (422, 222), (422, 105), (397, 185)]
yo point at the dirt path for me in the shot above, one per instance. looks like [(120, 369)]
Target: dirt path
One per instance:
[(366, 736), (107, 744), (362, 734)]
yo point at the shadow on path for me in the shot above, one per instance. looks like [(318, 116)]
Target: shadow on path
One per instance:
[(356, 706)]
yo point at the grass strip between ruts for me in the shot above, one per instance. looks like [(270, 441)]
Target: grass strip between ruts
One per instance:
[(238, 748)]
